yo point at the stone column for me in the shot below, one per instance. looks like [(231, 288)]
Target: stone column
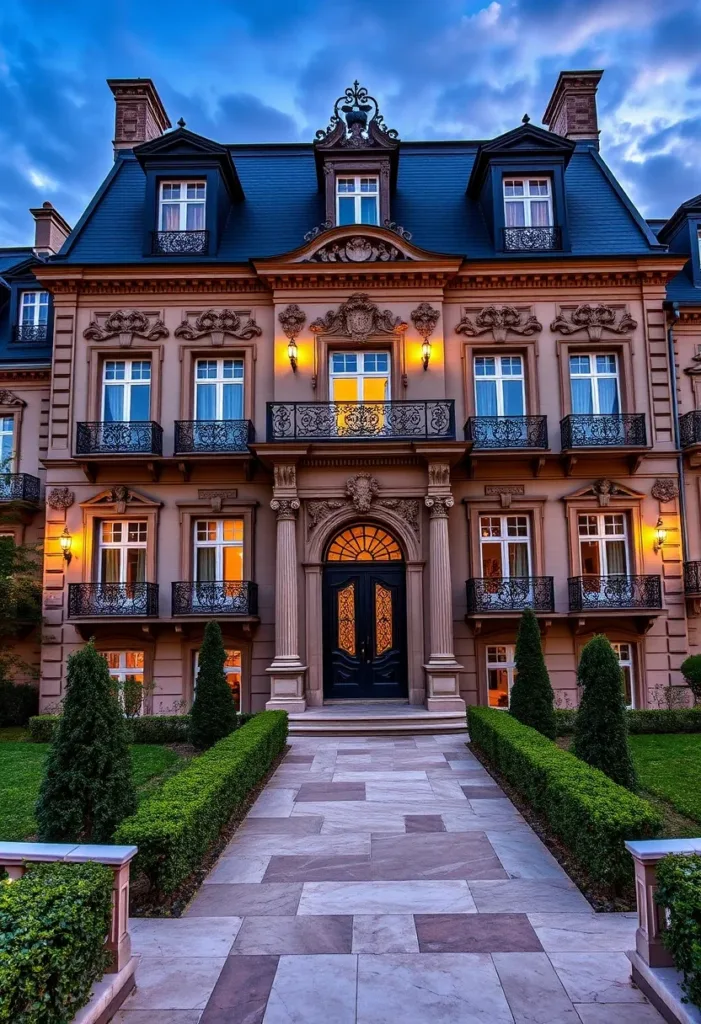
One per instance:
[(287, 671)]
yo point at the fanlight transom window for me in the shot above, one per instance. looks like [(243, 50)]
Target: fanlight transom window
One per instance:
[(364, 543)]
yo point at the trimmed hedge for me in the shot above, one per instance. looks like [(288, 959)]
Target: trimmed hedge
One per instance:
[(146, 729), (174, 828), (53, 925), (591, 814), (648, 720), (18, 702), (679, 891)]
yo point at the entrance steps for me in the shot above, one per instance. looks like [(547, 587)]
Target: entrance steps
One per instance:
[(375, 718)]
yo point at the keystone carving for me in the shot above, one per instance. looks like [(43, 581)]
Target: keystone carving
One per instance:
[(406, 508), (424, 319), (664, 490), (60, 498), (120, 496), (500, 320), (603, 490), (361, 489), (217, 324), (126, 324), (216, 498), (358, 318), (292, 320), (358, 249), (593, 319), (505, 492)]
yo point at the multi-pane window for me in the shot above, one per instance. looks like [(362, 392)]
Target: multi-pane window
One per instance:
[(624, 653), (360, 376), (505, 546), (528, 202), (594, 383), (126, 390), (34, 309), (232, 671), (219, 389), (499, 386), (127, 670), (182, 206), (122, 551), (603, 544), (357, 200), (7, 443), (501, 672), (218, 550)]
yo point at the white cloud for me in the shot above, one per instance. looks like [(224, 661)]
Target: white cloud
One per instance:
[(41, 180)]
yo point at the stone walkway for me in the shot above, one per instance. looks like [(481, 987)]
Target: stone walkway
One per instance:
[(385, 881)]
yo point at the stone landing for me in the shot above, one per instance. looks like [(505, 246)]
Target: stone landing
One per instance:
[(376, 718)]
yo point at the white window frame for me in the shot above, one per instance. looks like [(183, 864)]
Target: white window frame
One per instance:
[(595, 376), (39, 304), (601, 538), (357, 194), (219, 382), (7, 461), (508, 665), (361, 374), (123, 546), (626, 663), (499, 377), (182, 203), (504, 540), (219, 545), (526, 199), (126, 384)]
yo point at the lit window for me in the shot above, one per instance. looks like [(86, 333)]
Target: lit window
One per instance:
[(182, 206), (218, 550), (219, 389), (122, 548), (357, 200), (232, 671), (528, 203), (127, 670), (624, 653), (34, 309), (126, 390), (501, 672), (360, 376), (505, 547)]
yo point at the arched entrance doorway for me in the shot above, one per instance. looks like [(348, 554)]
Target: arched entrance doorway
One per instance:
[(364, 615)]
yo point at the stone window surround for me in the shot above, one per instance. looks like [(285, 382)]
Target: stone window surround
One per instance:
[(203, 349), (527, 348), (190, 511), (97, 355), (188, 649), (93, 515), (15, 411), (324, 345), (534, 508), (365, 165), (630, 506), (623, 349)]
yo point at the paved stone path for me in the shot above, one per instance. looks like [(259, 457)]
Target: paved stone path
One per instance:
[(381, 881)]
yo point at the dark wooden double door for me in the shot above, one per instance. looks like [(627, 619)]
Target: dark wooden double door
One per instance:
[(364, 631)]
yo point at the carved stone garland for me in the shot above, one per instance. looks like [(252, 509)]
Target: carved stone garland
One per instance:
[(217, 324), (500, 320), (358, 249), (594, 319), (358, 318), (665, 490), (126, 324), (60, 498)]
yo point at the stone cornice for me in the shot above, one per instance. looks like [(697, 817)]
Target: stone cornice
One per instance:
[(38, 376)]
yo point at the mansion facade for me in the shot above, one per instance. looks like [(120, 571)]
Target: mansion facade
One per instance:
[(361, 401)]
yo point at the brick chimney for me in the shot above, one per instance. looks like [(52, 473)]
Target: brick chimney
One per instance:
[(140, 116), (572, 108), (50, 229)]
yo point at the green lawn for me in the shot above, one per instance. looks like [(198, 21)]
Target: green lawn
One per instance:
[(21, 768), (669, 766)]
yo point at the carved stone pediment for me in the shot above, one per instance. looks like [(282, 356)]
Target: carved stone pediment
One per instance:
[(126, 324), (358, 249), (217, 324), (119, 497), (594, 320), (501, 321), (603, 490), (358, 318), (9, 398)]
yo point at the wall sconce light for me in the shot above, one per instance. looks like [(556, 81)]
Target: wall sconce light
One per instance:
[(65, 540), (660, 535), (424, 319), (426, 353), (292, 320), (292, 353)]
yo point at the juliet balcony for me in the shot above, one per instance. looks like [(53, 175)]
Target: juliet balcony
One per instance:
[(19, 487), (615, 593), (362, 421), (215, 597), (690, 429), (120, 438), (180, 243), (221, 437), (112, 600), (603, 430), (31, 335), (503, 433), (533, 239), (501, 594)]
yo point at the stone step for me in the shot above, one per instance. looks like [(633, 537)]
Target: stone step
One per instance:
[(375, 720)]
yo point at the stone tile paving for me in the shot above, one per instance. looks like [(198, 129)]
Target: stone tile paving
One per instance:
[(378, 880)]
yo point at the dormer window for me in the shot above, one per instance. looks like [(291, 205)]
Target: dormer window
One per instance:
[(33, 317), (528, 202), (182, 217), (357, 200)]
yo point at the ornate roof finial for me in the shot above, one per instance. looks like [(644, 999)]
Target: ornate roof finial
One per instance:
[(360, 111), (181, 122), (525, 119)]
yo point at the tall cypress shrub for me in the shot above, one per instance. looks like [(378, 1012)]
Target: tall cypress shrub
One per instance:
[(532, 698), (87, 788), (601, 725), (213, 715)]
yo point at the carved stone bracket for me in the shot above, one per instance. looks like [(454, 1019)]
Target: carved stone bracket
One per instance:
[(217, 324), (217, 497), (292, 320), (60, 498), (126, 324), (500, 320), (505, 492), (593, 319), (358, 318), (438, 505), (358, 249), (285, 508), (424, 318), (665, 490)]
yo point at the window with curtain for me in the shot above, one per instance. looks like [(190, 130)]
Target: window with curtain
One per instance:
[(7, 443), (122, 551), (219, 389), (501, 672), (624, 653), (218, 550), (34, 309), (528, 202), (499, 386), (357, 200), (232, 671), (603, 544), (182, 206), (126, 390), (505, 546), (594, 384)]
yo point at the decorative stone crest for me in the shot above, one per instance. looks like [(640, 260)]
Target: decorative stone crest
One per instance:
[(604, 489), (438, 505), (505, 492), (217, 324), (356, 122), (285, 508), (358, 318), (500, 320), (664, 489), (120, 495), (358, 249), (292, 320), (217, 498), (361, 489), (60, 498), (593, 319), (424, 319), (126, 324)]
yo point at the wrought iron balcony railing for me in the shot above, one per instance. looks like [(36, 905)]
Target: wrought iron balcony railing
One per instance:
[(220, 597), (129, 437), (30, 334), (614, 593), (690, 428), (510, 594), (499, 432), (202, 436), (533, 239), (604, 430), (362, 421), (19, 487), (692, 578), (180, 243), (87, 600)]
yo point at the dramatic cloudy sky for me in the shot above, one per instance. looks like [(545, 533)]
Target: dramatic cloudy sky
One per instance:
[(269, 70)]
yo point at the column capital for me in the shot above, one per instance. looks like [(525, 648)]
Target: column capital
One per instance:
[(285, 508), (438, 505)]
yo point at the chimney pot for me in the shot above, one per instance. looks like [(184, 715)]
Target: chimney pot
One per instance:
[(572, 108), (139, 115), (50, 229)]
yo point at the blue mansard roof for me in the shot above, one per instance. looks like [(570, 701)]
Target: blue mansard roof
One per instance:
[(282, 201)]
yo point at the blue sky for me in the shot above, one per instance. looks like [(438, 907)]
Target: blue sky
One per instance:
[(270, 70)]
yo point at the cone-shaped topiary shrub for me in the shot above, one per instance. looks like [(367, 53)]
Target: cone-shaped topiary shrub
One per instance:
[(87, 788), (691, 670), (213, 714), (601, 726), (532, 699)]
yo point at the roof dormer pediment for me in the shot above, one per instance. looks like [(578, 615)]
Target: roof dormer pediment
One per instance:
[(183, 150), (358, 243), (527, 141)]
